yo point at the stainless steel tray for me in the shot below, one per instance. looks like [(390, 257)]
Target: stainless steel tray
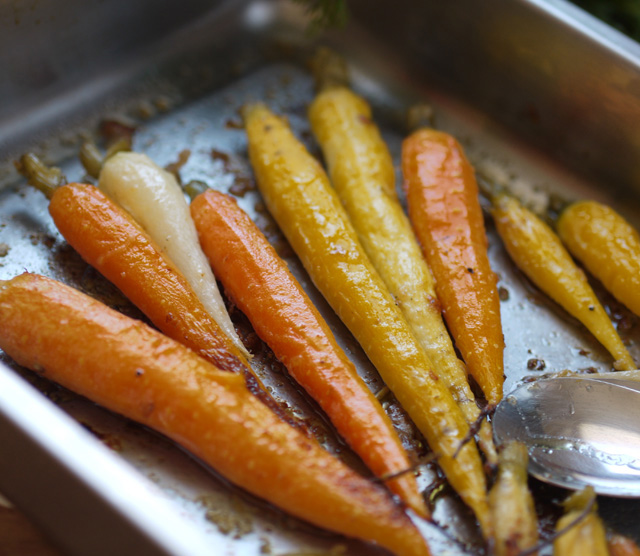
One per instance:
[(543, 97)]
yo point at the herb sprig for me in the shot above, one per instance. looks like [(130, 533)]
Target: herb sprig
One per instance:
[(325, 13)]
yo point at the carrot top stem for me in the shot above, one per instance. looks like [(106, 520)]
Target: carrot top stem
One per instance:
[(44, 178), (195, 188), (419, 115), (555, 208), (490, 189), (121, 145), (329, 69), (93, 160), (556, 204)]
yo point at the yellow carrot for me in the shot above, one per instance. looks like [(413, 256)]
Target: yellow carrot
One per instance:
[(582, 530), (131, 369), (110, 240), (362, 173), (152, 196), (538, 252), (262, 287), (511, 502), (300, 198), (607, 245)]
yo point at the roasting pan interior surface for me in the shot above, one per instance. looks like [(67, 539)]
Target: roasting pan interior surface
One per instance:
[(179, 78)]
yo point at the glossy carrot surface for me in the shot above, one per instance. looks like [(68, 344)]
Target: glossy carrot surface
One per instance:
[(152, 196), (442, 197), (620, 545), (511, 502), (133, 370), (110, 240), (538, 252), (607, 245), (261, 285), (298, 194), (586, 537), (362, 173)]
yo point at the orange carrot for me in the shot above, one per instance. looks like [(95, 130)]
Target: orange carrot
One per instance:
[(620, 545), (442, 195), (263, 288), (361, 171), (131, 369), (110, 240), (299, 196)]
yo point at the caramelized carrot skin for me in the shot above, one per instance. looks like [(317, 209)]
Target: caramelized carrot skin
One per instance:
[(622, 546), (444, 209), (282, 315), (607, 245), (362, 173), (111, 241), (129, 368), (511, 502), (155, 200), (300, 198), (586, 538), (539, 253)]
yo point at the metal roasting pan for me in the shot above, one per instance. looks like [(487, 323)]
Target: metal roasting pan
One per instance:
[(544, 97)]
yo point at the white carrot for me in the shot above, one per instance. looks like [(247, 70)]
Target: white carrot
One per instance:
[(155, 200)]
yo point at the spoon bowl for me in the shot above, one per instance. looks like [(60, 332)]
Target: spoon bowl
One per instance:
[(579, 431)]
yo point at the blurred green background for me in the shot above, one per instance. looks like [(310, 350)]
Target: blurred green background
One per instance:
[(624, 15)]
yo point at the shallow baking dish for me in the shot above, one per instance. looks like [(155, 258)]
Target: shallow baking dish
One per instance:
[(544, 97)]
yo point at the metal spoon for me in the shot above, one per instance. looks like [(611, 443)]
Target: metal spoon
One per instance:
[(579, 431)]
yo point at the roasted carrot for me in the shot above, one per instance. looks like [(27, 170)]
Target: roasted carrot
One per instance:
[(262, 287), (511, 502), (538, 252), (442, 197), (620, 545), (582, 531), (361, 171), (601, 239), (607, 245), (133, 370), (152, 196), (108, 238), (298, 194)]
